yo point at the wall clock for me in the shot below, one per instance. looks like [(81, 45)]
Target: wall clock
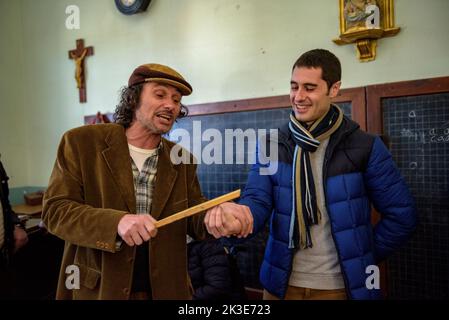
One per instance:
[(130, 7)]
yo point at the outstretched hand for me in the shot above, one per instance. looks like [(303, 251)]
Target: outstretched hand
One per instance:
[(229, 219)]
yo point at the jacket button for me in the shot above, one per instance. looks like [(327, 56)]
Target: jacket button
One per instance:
[(126, 290)]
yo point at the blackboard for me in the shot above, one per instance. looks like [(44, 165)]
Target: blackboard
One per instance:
[(418, 132)]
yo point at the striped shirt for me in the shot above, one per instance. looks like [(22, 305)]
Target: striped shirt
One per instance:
[(144, 180)]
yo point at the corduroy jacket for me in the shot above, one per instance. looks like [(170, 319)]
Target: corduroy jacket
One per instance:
[(90, 189)]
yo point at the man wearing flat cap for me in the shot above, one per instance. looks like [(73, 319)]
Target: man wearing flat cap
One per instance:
[(109, 185)]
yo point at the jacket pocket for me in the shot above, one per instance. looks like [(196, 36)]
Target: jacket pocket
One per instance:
[(89, 277)]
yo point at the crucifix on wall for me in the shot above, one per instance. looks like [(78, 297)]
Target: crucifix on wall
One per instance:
[(79, 54)]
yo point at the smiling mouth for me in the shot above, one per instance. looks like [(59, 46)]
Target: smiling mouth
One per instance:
[(165, 117), (302, 108)]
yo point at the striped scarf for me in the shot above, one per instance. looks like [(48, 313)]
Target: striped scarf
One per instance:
[(304, 208)]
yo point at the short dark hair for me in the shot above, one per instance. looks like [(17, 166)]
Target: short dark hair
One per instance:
[(129, 102), (324, 59)]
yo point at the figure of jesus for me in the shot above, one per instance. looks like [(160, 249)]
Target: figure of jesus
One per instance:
[(355, 14), (79, 71)]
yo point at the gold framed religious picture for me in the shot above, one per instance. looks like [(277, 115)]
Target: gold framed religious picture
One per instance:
[(363, 22)]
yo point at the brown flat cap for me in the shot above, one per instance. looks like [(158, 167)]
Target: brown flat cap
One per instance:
[(159, 73)]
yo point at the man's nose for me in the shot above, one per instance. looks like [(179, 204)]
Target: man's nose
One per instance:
[(300, 94), (170, 105)]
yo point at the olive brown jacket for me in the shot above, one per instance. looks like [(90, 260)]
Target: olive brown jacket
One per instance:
[(90, 189)]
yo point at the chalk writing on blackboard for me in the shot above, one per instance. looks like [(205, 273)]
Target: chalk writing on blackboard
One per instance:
[(440, 135), (413, 165), (418, 136), (434, 135)]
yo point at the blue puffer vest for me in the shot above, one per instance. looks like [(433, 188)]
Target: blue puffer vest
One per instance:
[(358, 172)]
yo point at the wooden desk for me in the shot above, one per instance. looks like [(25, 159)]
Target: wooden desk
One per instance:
[(24, 209)]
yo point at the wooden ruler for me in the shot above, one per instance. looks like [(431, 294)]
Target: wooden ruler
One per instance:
[(198, 208)]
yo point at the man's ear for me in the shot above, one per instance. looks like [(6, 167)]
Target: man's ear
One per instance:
[(333, 92)]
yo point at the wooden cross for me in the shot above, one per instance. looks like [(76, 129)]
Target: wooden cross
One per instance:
[(79, 54)]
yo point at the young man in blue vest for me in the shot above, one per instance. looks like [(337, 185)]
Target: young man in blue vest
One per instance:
[(318, 203)]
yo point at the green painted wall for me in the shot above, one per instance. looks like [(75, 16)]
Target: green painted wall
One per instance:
[(13, 123), (227, 49)]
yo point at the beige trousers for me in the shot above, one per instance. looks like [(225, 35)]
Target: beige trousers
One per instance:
[(298, 293)]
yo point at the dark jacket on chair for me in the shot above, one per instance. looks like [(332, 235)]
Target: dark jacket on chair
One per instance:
[(213, 272)]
